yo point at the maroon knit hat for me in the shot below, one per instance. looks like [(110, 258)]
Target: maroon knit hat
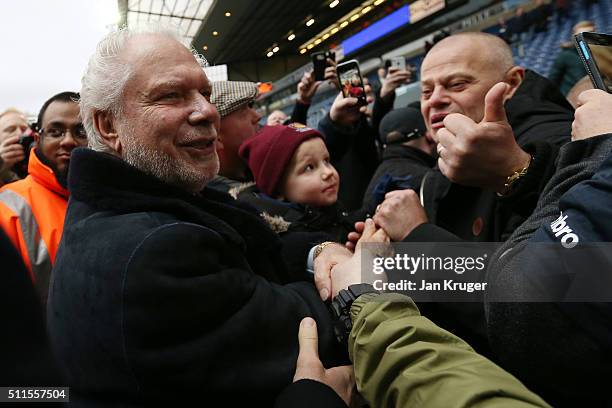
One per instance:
[(269, 152)]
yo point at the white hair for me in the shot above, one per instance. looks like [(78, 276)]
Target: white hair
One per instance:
[(107, 73)]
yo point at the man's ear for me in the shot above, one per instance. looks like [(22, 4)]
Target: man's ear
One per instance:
[(514, 77), (105, 125)]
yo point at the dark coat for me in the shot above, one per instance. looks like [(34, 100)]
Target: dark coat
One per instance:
[(158, 294), (560, 350), (287, 218), (541, 120)]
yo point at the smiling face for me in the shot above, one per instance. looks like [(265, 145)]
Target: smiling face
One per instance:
[(62, 132), (310, 179), (168, 126), (455, 77)]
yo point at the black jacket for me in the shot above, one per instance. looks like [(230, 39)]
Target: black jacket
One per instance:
[(541, 119), (158, 294), (560, 350), (287, 218)]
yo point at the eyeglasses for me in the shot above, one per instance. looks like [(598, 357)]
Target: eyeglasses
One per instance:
[(77, 132)]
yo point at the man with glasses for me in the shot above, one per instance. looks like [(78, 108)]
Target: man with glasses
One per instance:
[(32, 210)]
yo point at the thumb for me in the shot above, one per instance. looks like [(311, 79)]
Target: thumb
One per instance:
[(368, 230), (494, 103), (308, 363), (308, 339)]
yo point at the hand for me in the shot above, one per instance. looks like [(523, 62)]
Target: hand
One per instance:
[(307, 88), (329, 257), (480, 154), (11, 152), (400, 213), (354, 236), (394, 79), (347, 111), (309, 366), (330, 73), (348, 272), (592, 117)]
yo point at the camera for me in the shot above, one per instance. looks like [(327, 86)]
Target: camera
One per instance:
[(27, 141)]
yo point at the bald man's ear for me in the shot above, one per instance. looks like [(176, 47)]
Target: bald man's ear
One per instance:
[(514, 77), (105, 125)]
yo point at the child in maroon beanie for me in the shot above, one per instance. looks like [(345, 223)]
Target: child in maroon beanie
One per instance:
[(298, 186)]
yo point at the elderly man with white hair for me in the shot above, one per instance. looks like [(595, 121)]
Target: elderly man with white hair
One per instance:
[(163, 288)]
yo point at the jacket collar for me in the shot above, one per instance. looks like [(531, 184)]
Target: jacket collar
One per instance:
[(106, 182), (44, 175)]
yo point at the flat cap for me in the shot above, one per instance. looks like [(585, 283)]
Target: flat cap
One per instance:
[(229, 96)]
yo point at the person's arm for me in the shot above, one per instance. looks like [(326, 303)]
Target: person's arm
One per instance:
[(228, 314), (300, 112), (402, 359)]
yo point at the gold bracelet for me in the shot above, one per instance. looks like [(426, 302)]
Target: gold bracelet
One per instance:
[(513, 178), (319, 248)]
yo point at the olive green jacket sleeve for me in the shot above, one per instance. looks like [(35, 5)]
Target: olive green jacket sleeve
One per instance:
[(402, 359)]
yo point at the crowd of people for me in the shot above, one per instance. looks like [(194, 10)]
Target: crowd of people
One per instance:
[(163, 246)]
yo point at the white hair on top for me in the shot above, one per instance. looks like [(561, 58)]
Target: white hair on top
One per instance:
[(106, 75)]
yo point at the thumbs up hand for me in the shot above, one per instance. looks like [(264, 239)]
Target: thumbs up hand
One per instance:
[(481, 154)]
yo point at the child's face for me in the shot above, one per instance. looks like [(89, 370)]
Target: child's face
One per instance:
[(310, 179)]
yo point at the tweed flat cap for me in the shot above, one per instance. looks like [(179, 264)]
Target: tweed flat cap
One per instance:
[(229, 96)]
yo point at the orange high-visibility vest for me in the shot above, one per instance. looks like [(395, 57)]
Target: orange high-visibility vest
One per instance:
[(32, 214)]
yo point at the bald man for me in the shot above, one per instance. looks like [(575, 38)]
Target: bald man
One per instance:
[(12, 124), (497, 127)]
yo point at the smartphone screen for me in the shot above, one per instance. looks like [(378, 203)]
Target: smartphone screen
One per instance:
[(351, 82), (595, 50)]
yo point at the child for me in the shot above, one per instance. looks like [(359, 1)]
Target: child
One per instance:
[(298, 186)]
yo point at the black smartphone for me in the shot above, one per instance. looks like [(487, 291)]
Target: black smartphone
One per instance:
[(595, 50), (351, 81), (319, 63)]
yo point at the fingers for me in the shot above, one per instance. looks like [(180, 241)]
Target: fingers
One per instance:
[(322, 277), (308, 363), (349, 245), (13, 140), (359, 226), (458, 124), (494, 103), (354, 236), (589, 94)]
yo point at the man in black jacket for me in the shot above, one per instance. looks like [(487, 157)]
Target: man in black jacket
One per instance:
[(164, 289), (497, 128)]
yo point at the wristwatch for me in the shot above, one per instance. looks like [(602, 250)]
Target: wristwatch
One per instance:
[(341, 309)]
